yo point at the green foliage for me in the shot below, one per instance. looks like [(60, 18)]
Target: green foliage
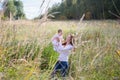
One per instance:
[(74, 9), (14, 9), (48, 58), (11, 9), (19, 6)]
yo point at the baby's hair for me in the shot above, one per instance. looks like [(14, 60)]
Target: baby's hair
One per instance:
[(59, 30)]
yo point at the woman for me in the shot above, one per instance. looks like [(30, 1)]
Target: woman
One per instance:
[(64, 50)]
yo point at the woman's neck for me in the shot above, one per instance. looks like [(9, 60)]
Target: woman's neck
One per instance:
[(68, 43)]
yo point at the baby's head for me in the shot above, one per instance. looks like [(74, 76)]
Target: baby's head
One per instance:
[(59, 32)]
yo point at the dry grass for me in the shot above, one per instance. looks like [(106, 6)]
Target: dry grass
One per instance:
[(22, 43)]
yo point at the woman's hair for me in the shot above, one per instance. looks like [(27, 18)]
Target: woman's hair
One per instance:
[(72, 41)]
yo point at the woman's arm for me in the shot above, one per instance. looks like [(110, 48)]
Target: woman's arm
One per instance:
[(67, 47)]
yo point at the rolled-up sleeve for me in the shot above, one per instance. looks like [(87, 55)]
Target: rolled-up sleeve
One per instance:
[(62, 48)]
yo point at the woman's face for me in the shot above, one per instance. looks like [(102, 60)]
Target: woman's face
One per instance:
[(68, 38)]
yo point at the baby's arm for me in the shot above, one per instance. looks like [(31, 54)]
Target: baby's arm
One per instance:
[(55, 41)]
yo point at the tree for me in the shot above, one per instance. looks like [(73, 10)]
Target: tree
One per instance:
[(94, 9), (19, 7), (11, 10), (14, 9)]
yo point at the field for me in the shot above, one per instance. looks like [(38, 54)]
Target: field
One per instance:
[(26, 52)]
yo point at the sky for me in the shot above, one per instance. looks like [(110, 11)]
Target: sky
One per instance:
[(1, 1), (32, 7)]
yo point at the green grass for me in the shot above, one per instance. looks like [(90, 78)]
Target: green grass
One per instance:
[(27, 54)]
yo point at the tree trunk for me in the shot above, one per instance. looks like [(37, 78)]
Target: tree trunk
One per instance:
[(10, 16)]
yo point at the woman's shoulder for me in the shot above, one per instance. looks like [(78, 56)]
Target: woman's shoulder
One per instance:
[(69, 45)]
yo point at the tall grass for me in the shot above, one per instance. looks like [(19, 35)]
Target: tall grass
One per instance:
[(26, 52)]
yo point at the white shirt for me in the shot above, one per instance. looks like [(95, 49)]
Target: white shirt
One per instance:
[(55, 42), (64, 52)]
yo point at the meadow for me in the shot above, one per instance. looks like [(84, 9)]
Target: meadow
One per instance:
[(26, 51)]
